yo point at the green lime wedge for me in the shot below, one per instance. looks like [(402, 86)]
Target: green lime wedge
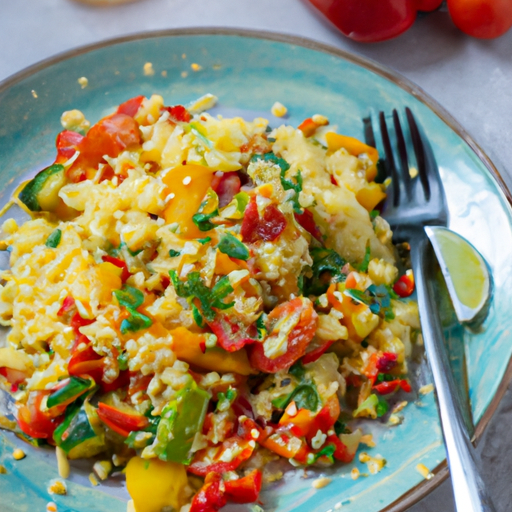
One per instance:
[(465, 271)]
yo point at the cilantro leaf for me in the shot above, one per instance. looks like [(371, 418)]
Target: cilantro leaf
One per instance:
[(327, 265), (231, 246)]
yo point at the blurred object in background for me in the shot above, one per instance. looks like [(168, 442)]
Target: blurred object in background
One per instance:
[(104, 2)]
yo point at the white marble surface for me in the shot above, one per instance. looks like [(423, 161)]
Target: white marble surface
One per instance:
[(472, 79)]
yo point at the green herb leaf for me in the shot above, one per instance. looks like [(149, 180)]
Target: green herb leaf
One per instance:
[(382, 407), (202, 220), (198, 319), (261, 325), (53, 240), (304, 395), (326, 451), (135, 322), (298, 371), (327, 265), (204, 240), (270, 157), (173, 253), (231, 246), (122, 360), (363, 266), (129, 297)]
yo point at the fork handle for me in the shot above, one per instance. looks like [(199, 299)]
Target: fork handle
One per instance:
[(468, 487)]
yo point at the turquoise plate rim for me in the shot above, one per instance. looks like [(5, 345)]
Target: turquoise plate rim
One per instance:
[(441, 472)]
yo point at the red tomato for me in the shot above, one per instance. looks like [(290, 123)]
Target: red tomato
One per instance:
[(485, 19), (231, 333), (179, 113), (341, 452), (312, 356), (371, 20), (109, 136), (125, 274), (119, 421), (387, 387), (32, 421), (386, 362), (298, 339), (67, 145), (428, 5), (246, 489), (404, 286), (306, 220), (131, 106)]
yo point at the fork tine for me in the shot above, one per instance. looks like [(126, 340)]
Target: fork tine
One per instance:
[(369, 136), (419, 150), (402, 154), (390, 160)]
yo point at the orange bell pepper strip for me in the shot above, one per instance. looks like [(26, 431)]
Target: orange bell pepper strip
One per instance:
[(189, 184), (355, 147), (187, 347), (120, 421), (370, 196), (300, 423)]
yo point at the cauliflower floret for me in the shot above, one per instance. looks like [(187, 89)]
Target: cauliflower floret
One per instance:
[(382, 272)]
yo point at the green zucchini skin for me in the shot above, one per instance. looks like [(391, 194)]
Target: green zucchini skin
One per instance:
[(29, 196)]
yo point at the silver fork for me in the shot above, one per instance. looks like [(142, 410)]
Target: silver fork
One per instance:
[(412, 204)]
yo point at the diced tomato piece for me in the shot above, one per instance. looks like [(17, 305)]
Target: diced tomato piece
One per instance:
[(210, 498), (109, 137), (387, 387), (67, 144), (179, 113), (404, 286), (227, 186), (298, 339), (308, 127), (242, 407), (33, 421), (341, 452), (130, 107), (122, 381), (312, 356), (231, 333), (125, 274), (386, 362), (246, 489), (267, 228), (87, 362), (77, 321), (307, 221)]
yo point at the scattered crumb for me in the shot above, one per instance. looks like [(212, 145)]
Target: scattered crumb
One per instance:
[(148, 69), (117, 72), (216, 67), (62, 462), (34, 93), (196, 67), (278, 109), (395, 420), (375, 464), (368, 440), (425, 390), (74, 120), (51, 507), (320, 120), (354, 474), (57, 487), (83, 81), (413, 172), (321, 482), (93, 480), (337, 506), (398, 407), (18, 454), (183, 55), (424, 471), (3, 470), (164, 73), (184, 74)]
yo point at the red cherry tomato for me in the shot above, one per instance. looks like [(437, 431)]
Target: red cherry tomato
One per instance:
[(298, 339), (369, 21), (131, 106), (267, 228), (210, 497), (485, 19), (246, 489), (404, 286)]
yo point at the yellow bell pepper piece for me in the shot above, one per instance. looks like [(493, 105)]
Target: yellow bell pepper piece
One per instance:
[(14, 359), (109, 279), (370, 196), (187, 347), (189, 184), (154, 484), (355, 147)]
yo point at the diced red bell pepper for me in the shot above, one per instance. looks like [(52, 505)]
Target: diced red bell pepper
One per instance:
[(386, 362), (77, 321), (32, 421), (267, 228), (119, 421), (211, 496), (203, 463), (341, 452), (246, 489), (310, 357), (122, 381), (307, 221), (125, 274), (130, 107), (387, 387), (67, 305), (179, 113), (86, 362)]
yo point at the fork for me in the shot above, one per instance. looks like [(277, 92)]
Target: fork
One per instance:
[(412, 204)]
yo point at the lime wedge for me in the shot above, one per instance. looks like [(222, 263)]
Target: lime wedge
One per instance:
[(465, 271)]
